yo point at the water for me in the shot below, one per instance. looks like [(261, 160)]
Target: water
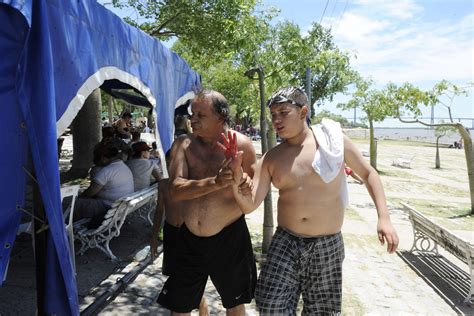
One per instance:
[(407, 134)]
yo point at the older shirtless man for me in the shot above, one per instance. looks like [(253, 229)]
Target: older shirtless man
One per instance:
[(307, 250), (214, 240)]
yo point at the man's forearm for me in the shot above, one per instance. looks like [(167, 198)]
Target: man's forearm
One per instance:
[(375, 188), (245, 202), (191, 189)]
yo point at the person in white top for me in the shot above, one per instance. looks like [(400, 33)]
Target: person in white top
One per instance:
[(111, 182), (143, 169)]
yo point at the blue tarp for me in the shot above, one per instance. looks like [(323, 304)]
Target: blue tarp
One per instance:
[(53, 54)]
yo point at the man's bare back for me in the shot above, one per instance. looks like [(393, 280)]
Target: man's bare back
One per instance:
[(172, 209), (306, 205)]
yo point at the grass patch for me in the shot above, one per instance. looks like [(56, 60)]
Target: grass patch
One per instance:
[(399, 174), (423, 188), (450, 215), (446, 190), (391, 142), (360, 241), (351, 213)]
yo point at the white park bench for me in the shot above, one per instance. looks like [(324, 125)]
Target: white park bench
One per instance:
[(100, 237), (428, 235)]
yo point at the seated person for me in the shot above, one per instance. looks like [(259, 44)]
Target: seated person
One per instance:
[(112, 181), (109, 137), (142, 167)]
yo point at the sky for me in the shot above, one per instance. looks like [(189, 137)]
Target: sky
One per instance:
[(421, 42)]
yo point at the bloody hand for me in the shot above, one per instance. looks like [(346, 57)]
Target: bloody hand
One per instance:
[(229, 145)]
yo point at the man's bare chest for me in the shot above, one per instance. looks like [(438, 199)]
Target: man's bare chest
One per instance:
[(290, 172), (203, 164)]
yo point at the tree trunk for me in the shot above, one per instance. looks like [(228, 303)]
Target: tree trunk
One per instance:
[(86, 133), (467, 140), (271, 135), (437, 160), (373, 146), (267, 203)]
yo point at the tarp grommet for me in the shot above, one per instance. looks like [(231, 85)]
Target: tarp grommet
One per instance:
[(7, 245)]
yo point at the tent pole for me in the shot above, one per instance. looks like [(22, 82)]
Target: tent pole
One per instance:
[(39, 248), (111, 111)]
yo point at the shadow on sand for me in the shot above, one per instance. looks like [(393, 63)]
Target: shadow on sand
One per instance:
[(446, 279)]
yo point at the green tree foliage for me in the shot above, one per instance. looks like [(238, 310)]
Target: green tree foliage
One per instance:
[(376, 107), (330, 68), (285, 53), (206, 27), (335, 117)]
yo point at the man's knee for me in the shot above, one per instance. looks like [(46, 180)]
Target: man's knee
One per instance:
[(236, 310)]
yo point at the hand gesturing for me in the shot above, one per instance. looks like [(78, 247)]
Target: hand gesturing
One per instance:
[(229, 145), (232, 156)]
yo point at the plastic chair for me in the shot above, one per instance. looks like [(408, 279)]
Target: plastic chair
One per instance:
[(70, 191)]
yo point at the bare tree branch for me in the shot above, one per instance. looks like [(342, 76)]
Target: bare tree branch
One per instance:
[(456, 125)]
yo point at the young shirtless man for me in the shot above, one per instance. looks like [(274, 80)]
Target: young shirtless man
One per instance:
[(213, 240), (307, 250)]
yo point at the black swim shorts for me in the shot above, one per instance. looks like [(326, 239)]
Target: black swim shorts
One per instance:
[(226, 257), (170, 236)]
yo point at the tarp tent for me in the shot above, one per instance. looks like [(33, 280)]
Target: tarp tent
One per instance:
[(53, 54)]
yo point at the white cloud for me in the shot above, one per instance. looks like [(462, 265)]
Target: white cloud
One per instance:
[(402, 9), (394, 46)]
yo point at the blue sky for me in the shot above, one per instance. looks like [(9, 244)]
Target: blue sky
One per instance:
[(421, 42)]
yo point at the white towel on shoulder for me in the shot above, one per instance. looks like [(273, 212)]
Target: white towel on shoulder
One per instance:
[(329, 158)]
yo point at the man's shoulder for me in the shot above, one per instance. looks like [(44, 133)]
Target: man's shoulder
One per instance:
[(275, 152), (243, 139), (183, 140)]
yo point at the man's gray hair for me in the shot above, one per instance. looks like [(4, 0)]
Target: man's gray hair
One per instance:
[(219, 102)]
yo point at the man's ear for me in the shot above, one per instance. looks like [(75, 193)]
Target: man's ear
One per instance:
[(304, 111)]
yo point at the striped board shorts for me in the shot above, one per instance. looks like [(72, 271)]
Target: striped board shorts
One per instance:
[(311, 266)]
